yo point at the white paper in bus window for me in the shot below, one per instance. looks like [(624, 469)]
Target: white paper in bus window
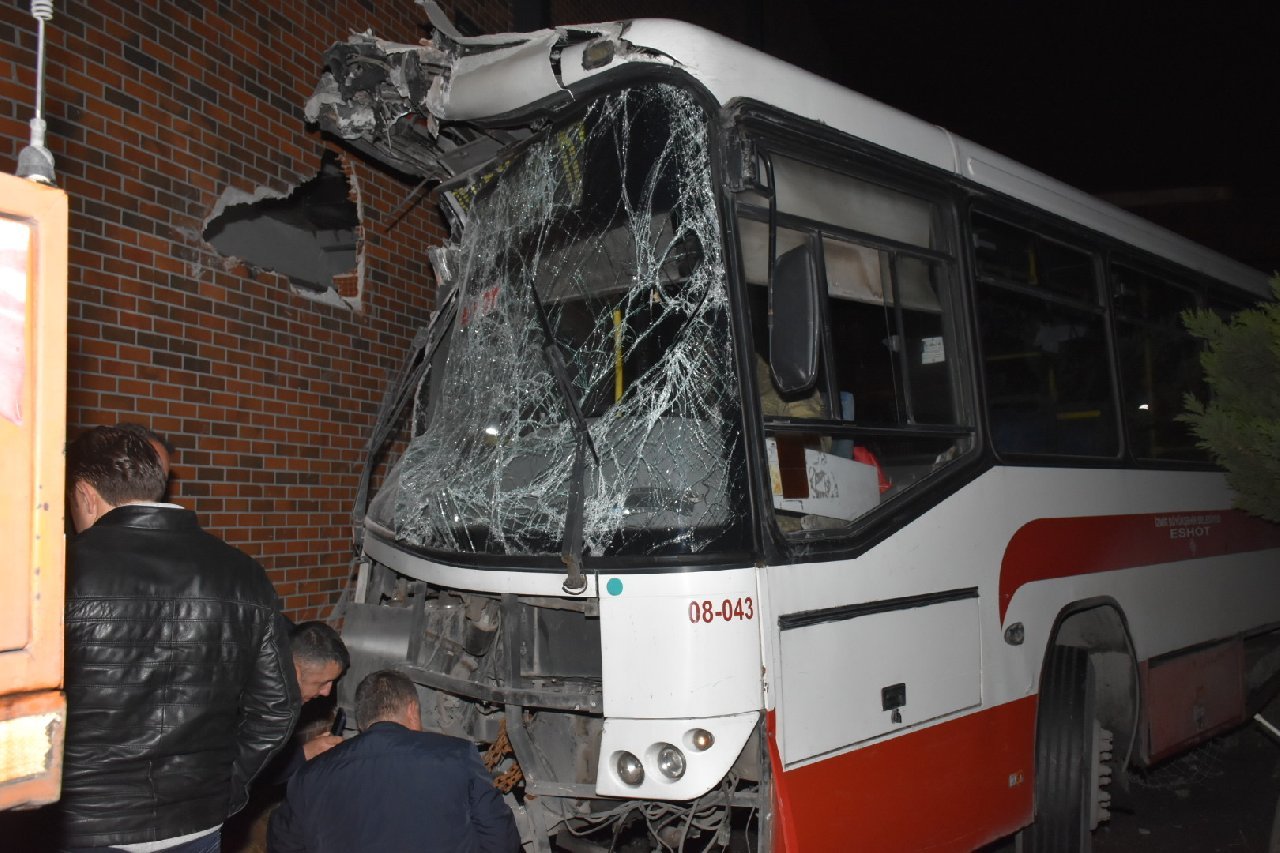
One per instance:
[(931, 351), (15, 250)]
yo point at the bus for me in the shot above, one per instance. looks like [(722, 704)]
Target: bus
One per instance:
[(778, 464)]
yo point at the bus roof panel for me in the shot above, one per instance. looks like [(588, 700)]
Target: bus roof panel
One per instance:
[(732, 71), (488, 90)]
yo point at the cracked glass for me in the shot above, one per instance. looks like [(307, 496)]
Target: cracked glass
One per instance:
[(598, 245)]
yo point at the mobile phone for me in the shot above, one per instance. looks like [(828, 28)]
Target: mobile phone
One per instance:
[(339, 722)]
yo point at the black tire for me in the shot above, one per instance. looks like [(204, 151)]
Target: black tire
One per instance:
[(1065, 746)]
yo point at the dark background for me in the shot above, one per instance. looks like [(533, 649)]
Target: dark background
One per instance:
[(1170, 110)]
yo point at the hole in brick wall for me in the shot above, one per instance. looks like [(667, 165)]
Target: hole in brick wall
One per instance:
[(310, 236)]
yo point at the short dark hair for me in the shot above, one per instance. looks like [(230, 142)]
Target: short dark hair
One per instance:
[(120, 464), (147, 433), (383, 695), (316, 643)]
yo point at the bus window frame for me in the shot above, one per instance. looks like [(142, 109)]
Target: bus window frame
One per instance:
[(1086, 242), (761, 131), (1199, 287)]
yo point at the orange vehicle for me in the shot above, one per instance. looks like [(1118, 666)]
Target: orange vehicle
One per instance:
[(33, 370)]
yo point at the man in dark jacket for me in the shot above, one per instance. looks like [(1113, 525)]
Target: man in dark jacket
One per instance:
[(179, 681), (319, 660), (393, 787)]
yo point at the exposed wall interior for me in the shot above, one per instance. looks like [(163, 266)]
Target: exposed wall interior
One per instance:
[(311, 236)]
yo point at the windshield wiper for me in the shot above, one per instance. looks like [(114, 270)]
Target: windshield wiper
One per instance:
[(571, 552)]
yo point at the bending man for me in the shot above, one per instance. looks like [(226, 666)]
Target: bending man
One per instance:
[(319, 659), (393, 787)]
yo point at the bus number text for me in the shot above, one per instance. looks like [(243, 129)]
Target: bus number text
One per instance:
[(726, 610)]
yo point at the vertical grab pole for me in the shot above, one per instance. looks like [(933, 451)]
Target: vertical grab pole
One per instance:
[(617, 355)]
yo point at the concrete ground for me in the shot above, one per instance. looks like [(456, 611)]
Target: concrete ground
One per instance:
[(1218, 798)]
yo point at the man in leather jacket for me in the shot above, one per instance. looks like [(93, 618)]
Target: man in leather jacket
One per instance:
[(179, 681)]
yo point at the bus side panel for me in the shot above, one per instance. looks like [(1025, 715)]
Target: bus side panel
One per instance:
[(953, 786), (1192, 696), (895, 665), (1047, 548)]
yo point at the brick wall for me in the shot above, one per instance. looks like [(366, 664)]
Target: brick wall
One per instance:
[(154, 111)]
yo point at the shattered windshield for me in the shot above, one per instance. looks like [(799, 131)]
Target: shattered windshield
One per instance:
[(599, 242)]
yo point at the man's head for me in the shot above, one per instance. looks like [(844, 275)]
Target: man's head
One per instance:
[(319, 658), (164, 450), (388, 696), (109, 467)]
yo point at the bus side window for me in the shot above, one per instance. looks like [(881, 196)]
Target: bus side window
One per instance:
[(1044, 344), (1159, 362), (887, 376)]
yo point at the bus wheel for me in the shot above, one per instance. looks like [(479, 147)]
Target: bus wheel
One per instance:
[(1072, 751)]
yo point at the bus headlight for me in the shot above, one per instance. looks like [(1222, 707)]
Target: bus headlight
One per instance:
[(700, 739), (629, 768), (670, 761)]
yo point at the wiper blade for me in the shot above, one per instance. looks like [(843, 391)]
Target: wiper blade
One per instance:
[(571, 552), (555, 361)]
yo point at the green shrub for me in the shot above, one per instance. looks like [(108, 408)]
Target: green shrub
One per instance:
[(1240, 425)]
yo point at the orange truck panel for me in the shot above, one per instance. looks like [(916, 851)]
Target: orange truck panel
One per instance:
[(33, 371)]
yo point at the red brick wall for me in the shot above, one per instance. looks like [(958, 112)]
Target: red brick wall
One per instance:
[(155, 109)]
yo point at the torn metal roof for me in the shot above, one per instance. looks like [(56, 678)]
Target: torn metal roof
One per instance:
[(438, 108)]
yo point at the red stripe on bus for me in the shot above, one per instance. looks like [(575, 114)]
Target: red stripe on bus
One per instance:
[(950, 787), (783, 840), (1064, 547)]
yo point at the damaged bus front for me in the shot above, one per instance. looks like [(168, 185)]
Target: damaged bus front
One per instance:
[(561, 556), (779, 465)]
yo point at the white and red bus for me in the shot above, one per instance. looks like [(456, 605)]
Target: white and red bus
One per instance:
[(779, 463)]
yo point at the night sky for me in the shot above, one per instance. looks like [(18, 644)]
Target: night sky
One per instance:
[(1118, 98), (1123, 97)]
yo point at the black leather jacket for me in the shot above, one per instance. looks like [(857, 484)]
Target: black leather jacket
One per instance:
[(180, 685)]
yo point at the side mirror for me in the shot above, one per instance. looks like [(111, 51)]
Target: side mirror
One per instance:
[(793, 321)]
